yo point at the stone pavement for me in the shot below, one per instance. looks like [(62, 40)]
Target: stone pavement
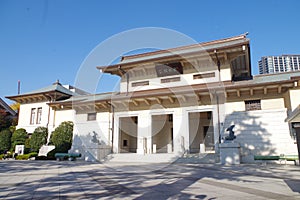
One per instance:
[(83, 180)]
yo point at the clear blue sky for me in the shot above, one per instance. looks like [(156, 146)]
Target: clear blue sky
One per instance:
[(45, 40)]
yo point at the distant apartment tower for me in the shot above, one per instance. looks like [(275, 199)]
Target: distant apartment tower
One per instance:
[(277, 64)]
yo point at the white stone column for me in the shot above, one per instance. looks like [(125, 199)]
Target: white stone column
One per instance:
[(144, 131), (116, 148), (180, 131)]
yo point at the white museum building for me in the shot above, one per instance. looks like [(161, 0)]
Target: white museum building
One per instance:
[(175, 101)]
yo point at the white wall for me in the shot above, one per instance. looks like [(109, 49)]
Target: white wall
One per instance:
[(276, 103), (266, 104), (294, 98), (63, 115), (185, 79), (25, 115), (92, 138), (261, 132)]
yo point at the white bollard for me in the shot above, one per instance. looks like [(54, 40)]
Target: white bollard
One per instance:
[(202, 148), (154, 148)]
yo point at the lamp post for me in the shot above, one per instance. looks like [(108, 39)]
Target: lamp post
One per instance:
[(217, 95)]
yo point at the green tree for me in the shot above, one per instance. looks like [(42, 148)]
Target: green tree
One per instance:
[(18, 137), (62, 136), (12, 129), (5, 120), (38, 138), (5, 140)]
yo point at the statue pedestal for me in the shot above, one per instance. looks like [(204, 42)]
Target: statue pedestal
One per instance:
[(229, 153), (45, 149)]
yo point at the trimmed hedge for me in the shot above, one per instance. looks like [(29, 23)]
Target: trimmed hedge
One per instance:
[(26, 156)]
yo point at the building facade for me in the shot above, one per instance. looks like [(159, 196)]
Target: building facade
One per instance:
[(34, 109), (277, 64), (181, 101)]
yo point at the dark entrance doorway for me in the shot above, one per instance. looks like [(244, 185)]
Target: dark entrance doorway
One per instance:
[(128, 134), (201, 132), (162, 133)]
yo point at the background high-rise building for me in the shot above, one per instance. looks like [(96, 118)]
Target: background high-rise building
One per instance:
[(277, 64)]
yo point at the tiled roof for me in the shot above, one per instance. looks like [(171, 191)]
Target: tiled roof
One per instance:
[(7, 107), (51, 88), (185, 49), (206, 46), (55, 87), (265, 78), (88, 98)]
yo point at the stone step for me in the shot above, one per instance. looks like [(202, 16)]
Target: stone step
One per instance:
[(203, 158), (162, 158), (140, 158)]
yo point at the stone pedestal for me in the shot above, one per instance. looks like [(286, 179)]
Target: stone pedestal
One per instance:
[(45, 149), (202, 148), (229, 153)]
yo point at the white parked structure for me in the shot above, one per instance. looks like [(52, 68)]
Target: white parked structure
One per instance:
[(176, 101)]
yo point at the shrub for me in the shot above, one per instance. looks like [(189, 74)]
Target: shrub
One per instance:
[(26, 156), (2, 156), (5, 140), (22, 157), (38, 138), (33, 154), (12, 128), (27, 146), (42, 158), (51, 154), (62, 136), (18, 137)]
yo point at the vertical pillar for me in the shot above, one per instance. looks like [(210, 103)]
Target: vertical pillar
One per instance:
[(217, 127), (144, 139), (180, 131), (116, 147)]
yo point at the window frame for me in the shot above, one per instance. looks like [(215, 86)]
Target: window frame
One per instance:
[(32, 115), (254, 104), (39, 115), (93, 115)]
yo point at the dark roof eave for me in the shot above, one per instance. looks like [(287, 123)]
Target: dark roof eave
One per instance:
[(35, 94), (7, 107)]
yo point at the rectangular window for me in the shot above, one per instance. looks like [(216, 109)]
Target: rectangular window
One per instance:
[(142, 83), (39, 116), (206, 75), (253, 105), (169, 80), (32, 115), (91, 116)]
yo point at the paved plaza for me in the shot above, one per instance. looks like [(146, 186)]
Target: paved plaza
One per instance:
[(86, 180)]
